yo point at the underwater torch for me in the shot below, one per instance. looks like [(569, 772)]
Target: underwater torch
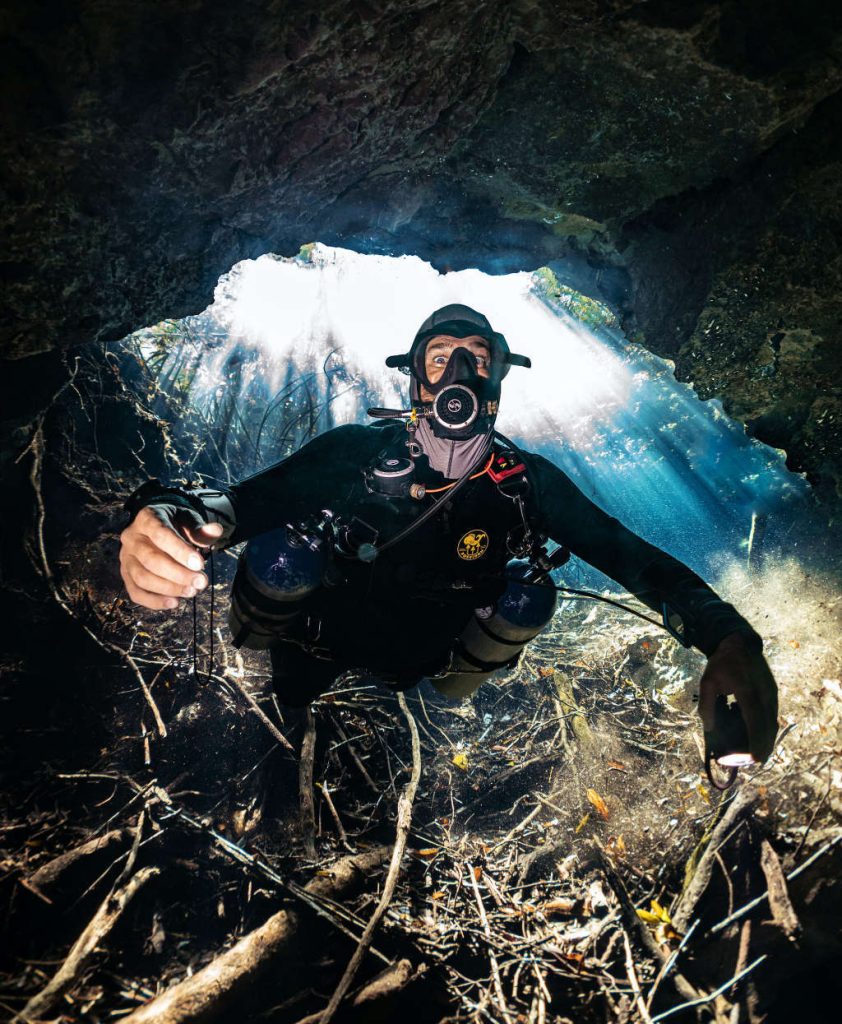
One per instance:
[(727, 743)]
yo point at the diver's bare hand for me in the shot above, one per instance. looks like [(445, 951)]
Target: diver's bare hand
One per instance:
[(735, 668), (159, 562)]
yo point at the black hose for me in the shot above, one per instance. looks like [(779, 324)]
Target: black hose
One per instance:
[(437, 505)]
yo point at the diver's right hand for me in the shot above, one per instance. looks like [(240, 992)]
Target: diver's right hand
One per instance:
[(160, 561)]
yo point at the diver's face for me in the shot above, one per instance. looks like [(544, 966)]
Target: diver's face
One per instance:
[(439, 350)]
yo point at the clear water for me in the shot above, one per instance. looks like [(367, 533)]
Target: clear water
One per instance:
[(292, 347)]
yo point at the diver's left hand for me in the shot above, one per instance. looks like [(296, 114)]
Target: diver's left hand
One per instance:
[(735, 668)]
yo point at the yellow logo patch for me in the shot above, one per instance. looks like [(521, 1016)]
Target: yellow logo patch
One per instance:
[(472, 545)]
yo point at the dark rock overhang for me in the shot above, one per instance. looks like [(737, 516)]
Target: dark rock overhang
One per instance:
[(679, 162)]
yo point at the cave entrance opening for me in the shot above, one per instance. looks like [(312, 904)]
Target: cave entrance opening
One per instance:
[(291, 347)]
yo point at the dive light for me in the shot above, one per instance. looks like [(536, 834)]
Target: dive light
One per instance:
[(727, 743)]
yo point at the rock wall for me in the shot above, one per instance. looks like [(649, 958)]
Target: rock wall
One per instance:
[(679, 161)]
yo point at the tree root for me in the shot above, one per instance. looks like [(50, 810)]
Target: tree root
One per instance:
[(48, 874), (100, 925), (206, 993), (700, 867), (305, 786), (404, 821)]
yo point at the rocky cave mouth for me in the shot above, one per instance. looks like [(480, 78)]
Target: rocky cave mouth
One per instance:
[(567, 860), (291, 347), (197, 737)]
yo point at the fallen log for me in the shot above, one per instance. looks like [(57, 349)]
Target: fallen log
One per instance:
[(208, 992), (388, 983)]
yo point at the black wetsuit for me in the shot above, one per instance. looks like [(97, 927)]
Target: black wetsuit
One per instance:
[(399, 615)]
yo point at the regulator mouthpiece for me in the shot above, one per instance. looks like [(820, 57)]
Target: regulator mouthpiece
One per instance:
[(456, 407)]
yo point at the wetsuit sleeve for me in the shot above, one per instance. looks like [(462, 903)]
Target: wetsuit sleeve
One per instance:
[(653, 576), (316, 477)]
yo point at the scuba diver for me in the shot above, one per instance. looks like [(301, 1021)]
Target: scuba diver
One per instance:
[(417, 547)]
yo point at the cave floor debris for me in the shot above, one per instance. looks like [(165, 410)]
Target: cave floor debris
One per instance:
[(566, 859)]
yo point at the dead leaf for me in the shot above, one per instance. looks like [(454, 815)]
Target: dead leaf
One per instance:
[(618, 766), (430, 851), (461, 761), (557, 906), (598, 803), (438, 895), (477, 873), (582, 823), (660, 911), (664, 933)]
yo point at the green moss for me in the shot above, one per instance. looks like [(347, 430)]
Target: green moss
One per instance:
[(581, 307)]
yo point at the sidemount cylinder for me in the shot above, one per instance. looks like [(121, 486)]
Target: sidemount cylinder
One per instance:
[(496, 635), (276, 573)]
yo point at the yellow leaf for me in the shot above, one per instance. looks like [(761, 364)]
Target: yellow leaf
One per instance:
[(598, 803), (658, 916), (582, 823), (461, 761), (437, 896), (617, 845), (703, 792), (477, 873), (644, 915), (660, 912), (657, 908), (431, 851)]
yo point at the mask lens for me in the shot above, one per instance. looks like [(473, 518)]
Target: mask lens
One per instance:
[(450, 361)]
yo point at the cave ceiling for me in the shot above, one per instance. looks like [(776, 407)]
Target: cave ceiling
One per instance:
[(680, 161)]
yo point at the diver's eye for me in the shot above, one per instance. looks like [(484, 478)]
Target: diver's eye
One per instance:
[(441, 360), (481, 360)]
